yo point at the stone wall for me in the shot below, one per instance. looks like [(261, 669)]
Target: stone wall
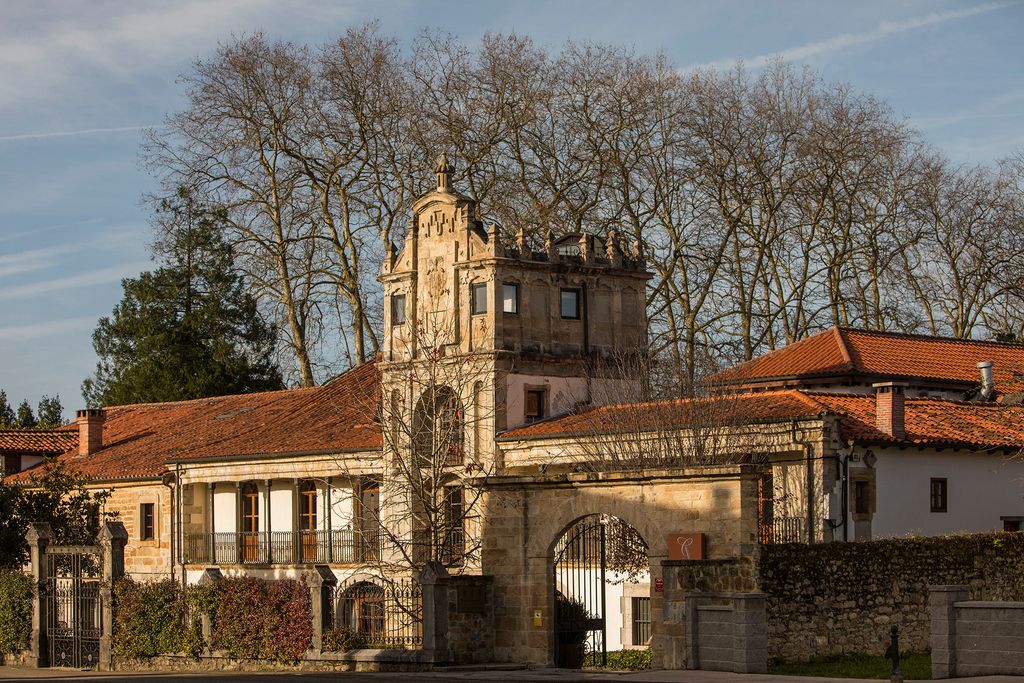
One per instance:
[(471, 619), (147, 560), (841, 598), (975, 638)]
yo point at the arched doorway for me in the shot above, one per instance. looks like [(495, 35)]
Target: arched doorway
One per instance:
[(593, 559)]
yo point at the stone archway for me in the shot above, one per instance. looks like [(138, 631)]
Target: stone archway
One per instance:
[(593, 561), (524, 517)]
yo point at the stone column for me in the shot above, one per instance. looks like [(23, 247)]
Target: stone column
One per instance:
[(750, 633), (210, 577), (38, 539), (112, 538), (941, 601), (434, 580), (322, 583)]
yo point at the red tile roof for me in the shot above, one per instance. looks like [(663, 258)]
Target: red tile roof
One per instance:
[(844, 351), (39, 441), (752, 408), (140, 440), (929, 421)]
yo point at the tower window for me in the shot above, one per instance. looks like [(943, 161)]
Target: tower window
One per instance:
[(534, 405), (510, 297), (939, 495), (478, 298), (570, 304), (398, 309)]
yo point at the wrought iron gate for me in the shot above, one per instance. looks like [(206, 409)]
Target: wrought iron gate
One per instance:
[(74, 621), (579, 585)]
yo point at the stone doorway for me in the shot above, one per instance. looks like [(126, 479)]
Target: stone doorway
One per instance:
[(594, 559)]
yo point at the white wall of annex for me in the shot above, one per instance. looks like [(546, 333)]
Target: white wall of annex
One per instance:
[(225, 516), (981, 489)]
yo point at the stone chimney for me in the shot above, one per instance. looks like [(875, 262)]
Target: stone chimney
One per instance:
[(90, 430), (988, 385), (890, 408)]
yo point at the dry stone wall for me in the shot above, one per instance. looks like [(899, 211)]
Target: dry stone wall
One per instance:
[(839, 598)]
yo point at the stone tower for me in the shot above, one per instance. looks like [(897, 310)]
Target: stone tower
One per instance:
[(518, 330)]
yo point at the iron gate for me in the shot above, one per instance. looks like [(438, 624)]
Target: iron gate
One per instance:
[(74, 619), (579, 586)]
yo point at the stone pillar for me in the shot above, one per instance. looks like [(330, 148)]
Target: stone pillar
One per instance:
[(38, 539), (322, 583), (112, 538), (941, 600), (210, 577), (750, 633), (434, 580)]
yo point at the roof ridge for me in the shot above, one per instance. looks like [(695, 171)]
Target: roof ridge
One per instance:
[(928, 337), (843, 349), (213, 398)]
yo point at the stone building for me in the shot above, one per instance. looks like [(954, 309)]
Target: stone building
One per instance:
[(503, 414)]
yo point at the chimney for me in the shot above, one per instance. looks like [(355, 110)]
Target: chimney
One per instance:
[(889, 408), (90, 430), (988, 385)]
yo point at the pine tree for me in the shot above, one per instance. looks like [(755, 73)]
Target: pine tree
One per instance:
[(25, 418), (188, 329), (50, 412), (7, 416)]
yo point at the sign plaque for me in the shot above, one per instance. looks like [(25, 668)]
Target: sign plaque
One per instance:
[(686, 546), (659, 585)]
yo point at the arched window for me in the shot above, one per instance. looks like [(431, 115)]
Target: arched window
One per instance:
[(361, 609), (438, 428)]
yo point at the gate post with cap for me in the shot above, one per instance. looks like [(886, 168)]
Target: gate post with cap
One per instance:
[(112, 538), (38, 539)]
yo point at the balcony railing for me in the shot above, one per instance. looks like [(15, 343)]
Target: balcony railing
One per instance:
[(782, 530), (338, 546)]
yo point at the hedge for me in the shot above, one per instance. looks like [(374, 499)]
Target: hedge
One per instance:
[(15, 610), (153, 619), (257, 619)]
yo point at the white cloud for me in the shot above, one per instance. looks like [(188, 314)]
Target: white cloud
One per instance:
[(72, 133), (845, 40), (45, 329), (100, 276)]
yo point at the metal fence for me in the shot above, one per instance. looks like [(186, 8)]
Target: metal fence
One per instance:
[(386, 615), (782, 530), (337, 546)]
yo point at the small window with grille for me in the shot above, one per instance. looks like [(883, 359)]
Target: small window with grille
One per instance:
[(939, 495), (147, 522), (641, 621)]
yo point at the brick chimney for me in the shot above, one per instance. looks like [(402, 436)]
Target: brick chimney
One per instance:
[(90, 430), (890, 408)]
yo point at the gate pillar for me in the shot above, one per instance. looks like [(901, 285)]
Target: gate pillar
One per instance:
[(113, 537), (38, 539), (434, 580)]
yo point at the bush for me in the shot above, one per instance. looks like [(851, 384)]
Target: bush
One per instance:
[(630, 660), (256, 619), (15, 610), (152, 619), (343, 640)]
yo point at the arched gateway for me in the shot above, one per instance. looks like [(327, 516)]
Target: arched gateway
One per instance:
[(595, 560)]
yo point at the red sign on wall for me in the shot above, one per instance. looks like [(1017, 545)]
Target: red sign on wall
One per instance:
[(659, 585), (686, 546)]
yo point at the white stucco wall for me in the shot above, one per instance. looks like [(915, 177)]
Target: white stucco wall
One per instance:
[(981, 489), (225, 516), (281, 503), (579, 584)]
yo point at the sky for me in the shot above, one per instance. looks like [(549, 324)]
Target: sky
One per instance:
[(81, 79)]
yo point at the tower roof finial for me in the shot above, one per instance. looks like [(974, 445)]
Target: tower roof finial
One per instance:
[(443, 169)]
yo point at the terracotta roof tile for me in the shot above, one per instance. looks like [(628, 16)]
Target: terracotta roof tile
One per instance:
[(843, 351), (139, 440), (39, 441), (752, 408)]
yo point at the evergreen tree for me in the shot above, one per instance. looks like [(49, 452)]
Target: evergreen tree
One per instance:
[(188, 329), (7, 416), (50, 412), (25, 418)]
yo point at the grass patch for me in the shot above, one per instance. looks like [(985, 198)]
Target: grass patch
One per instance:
[(913, 666)]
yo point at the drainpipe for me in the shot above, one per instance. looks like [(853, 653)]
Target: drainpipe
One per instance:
[(166, 480), (988, 385)]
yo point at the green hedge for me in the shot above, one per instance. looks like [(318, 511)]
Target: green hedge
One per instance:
[(153, 619), (15, 610)]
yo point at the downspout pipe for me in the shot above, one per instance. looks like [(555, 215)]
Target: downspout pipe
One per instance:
[(168, 480)]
